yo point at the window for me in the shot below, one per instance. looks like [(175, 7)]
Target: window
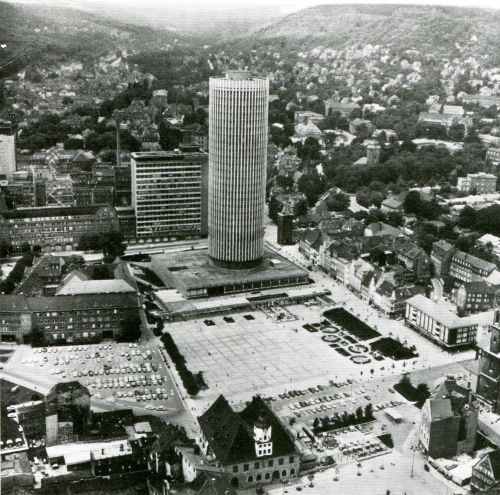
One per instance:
[(256, 465), (250, 479), (235, 469), (246, 467), (268, 475), (270, 463), (291, 459), (259, 477), (281, 461)]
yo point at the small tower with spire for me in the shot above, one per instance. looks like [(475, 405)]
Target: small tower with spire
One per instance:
[(262, 436)]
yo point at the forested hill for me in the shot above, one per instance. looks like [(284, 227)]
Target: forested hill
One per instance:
[(40, 35), (424, 28)]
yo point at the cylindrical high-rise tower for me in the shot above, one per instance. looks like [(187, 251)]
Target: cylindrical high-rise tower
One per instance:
[(238, 109)]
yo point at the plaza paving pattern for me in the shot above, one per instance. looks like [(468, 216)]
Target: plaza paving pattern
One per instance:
[(261, 355)]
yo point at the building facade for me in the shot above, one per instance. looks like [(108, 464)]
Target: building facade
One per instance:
[(486, 472), (169, 193), (250, 447), (480, 183), (7, 151), (467, 268), (238, 116), (488, 384), (438, 324), (475, 297), (56, 228)]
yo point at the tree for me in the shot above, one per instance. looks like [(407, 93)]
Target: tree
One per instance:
[(312, 186), (412, 202), (5, 248), (25, 247), (113, 245), (338, 202), (359, 413), (467, 218), (130, 330), (422, 392), (368, 411)]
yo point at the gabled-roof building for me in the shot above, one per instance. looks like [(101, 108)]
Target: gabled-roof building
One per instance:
[(486, 472), (250, 447)]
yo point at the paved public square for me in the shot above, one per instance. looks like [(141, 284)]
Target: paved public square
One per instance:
[(266, 356)]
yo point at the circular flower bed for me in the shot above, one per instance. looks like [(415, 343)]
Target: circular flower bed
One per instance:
[(330, 338), (360, 359), (358, 348), (330, 330)]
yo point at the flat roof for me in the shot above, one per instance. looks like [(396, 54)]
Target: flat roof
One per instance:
[(445, 316), (79, 453), (193, 270)]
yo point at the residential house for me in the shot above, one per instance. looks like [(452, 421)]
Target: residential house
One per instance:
[(486, 472), (414, 258), (344, 108), (310, 243), (475, 297), (467, 268), (441, 255), (380, 229), (360, 276), (392, 204)]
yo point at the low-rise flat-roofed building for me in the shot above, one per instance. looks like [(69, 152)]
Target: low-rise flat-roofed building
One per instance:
[(170, 193), (193, 275), (439, 324), (118, 458)]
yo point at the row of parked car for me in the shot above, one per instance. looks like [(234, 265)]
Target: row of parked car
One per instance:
[(313, 390), (327, 402), (385, 405)]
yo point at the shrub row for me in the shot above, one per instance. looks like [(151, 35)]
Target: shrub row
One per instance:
[(193, 382)]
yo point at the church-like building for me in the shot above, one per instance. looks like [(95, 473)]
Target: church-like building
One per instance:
[(249, 447)]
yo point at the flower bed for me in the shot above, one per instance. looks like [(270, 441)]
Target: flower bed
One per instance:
[(358, 348), (351, 324), (360, 359), (394, 349), (330, 338)]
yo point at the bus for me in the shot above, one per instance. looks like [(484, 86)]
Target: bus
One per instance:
[(394, 415)]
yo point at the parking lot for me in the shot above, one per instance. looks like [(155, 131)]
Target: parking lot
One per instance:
[(123, 375)]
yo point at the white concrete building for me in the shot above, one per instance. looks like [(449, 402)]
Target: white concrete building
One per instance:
[(238, 114), (7, 151)]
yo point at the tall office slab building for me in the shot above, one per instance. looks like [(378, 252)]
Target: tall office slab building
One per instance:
[(169, 193), (7, 150), (238, 109)]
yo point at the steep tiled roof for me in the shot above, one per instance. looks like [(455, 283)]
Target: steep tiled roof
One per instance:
[(230, 434)]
